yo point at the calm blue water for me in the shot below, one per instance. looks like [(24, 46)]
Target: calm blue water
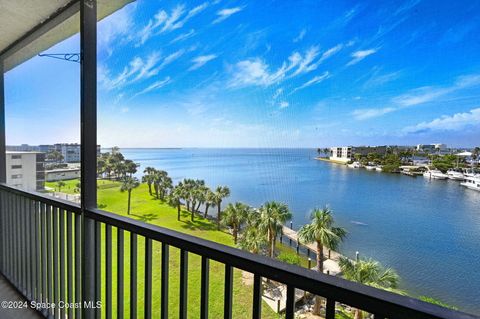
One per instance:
[(429, 231)]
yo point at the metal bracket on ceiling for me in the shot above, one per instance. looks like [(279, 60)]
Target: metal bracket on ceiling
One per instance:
[(71, 57)]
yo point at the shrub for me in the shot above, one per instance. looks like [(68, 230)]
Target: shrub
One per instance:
[(289, 258)]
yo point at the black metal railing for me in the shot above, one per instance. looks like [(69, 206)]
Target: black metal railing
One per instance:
[(42, 250)]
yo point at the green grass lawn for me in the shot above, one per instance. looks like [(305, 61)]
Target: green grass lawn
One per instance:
[(145, 208)]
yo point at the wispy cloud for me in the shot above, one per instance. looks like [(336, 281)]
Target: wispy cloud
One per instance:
[(378, 79), (184, 36), (170, 58), (429, 93), (200, 61), (284, 104), (117, 26), (455, 122), (315, 80), (257, 72), (330, 52), (164, 22), (226, 13), (360, 55), (365, 114), (300, 36), (419, 96), (154, 86)]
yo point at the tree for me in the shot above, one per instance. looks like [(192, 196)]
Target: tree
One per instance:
[(272, 217), (234, 216), (252, 237), (55, 156), (128, 184), (148, 178), (221, 193), (78, 187), (210, 200), (60, 184), (321, 231), (174, 199), (368, 272), (130, 167)]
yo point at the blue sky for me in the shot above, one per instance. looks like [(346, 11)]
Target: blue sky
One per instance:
[(264, 74)]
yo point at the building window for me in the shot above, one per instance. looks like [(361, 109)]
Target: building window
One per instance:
[(17, 176), (16, 166), (16, 156)]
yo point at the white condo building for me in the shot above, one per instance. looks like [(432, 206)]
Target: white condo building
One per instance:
[(26, 170), (342, 154)]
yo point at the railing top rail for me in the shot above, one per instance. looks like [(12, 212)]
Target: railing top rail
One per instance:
[(370, 299), (49, 200)]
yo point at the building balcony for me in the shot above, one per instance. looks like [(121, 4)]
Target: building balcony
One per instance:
[(77, 261)]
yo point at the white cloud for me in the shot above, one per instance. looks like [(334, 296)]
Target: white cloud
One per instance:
[(284, 104), (360, 55), (164, 22), (256, 72), (277, 93), (184, 36), (114, 27), (300, 36), (455, 122), (200, 61), (419, 96), (305, 63), (377, 79), (226, 13), (428, 93), (364, 114), (315, 80), (170, 58), (154, 86), (330, 52), (147, 69), (252, 72)]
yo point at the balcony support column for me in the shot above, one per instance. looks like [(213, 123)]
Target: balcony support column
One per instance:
[(88, 157), (3, 165)]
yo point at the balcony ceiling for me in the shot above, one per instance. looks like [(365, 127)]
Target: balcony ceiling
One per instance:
[(19, 17)]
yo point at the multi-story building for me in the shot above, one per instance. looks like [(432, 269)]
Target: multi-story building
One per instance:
[(70, 151), (26, 170), (341, 154), (22, 148)]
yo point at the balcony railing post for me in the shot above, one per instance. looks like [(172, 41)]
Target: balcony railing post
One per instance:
[(88, 155)]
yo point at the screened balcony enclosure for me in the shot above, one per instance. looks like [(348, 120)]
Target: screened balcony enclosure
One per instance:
[(77, 261)]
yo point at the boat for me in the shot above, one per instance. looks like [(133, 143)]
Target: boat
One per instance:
[(455, 175), (472, 183), (435, 174), (370, 167), (354, 165), (378, 168)]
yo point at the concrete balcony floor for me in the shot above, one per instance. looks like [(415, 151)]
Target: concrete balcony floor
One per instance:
[(8, 293)]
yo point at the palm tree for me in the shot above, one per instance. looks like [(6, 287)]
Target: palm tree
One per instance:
[(148, 179), (368, 272), (174, 199), (221, 193), (272, 216), (209, 201), (234, 216), (128, 184), (252, 237), (60, 184), (321, 231)]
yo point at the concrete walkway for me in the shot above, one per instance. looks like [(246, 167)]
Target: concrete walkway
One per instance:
[(8, 293)]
